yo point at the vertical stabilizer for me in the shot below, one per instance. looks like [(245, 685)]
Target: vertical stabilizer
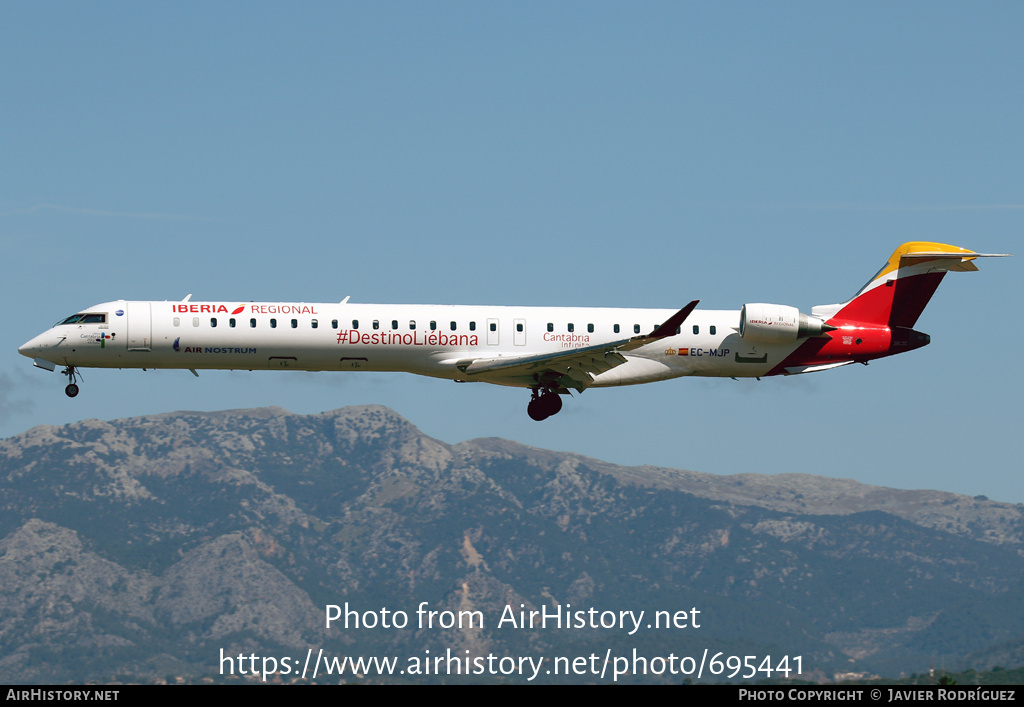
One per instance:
[(898, 293)]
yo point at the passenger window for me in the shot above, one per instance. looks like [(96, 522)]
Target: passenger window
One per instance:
[(376, 324), (519, 327), (273, 324), (616, 328), (696, 329), (551, 327), (252, 322), (572, 328), (394, 323), (295, 324), (195, 321), (433, 325), (231, 322), (314, 323), (213, 322), (472, 326), (590, 328), (177, 321), (636, 328), (453, 326), (713, 332), (412, 325), (494, 327)]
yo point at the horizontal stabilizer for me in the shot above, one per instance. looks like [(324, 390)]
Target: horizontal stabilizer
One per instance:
[(955, 262)]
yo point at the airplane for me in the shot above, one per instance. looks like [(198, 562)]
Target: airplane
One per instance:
[(549, 350)]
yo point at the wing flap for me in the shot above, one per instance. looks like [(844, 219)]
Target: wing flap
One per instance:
[(540, 362)]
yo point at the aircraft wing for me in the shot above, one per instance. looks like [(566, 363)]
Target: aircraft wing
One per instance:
[(572, 368)]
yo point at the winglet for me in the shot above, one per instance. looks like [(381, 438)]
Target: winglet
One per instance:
[(670, 325), (665, 329)]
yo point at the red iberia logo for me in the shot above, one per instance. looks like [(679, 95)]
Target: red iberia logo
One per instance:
[(204, 309), (189, 308)]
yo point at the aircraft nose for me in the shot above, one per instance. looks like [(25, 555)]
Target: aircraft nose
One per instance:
[(40, 350), (32, 347)]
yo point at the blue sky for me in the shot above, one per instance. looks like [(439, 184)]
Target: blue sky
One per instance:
[(606, 154)]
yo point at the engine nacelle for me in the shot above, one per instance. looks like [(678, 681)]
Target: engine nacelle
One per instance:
[(778, 324)]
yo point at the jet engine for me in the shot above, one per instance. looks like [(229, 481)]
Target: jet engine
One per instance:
[(778, 324)]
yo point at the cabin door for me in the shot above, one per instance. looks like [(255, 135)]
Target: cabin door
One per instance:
[(140, 326)]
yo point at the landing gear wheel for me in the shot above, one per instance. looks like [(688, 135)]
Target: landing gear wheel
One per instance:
[(544, 406), (553, 402), (72, 388)]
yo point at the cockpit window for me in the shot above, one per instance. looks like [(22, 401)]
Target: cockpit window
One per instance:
[(85, 318)]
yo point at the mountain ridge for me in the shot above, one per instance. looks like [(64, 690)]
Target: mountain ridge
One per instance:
[(152, 542)]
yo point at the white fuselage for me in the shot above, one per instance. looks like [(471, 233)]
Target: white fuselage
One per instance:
[(421, 339), (550, 350)]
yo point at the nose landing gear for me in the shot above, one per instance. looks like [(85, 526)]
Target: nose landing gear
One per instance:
[(543, 405), (72, 388)]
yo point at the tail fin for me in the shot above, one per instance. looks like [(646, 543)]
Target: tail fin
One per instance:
[(898, 293)]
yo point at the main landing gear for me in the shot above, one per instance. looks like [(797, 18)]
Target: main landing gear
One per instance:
[(544, 405), (72, 388)]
